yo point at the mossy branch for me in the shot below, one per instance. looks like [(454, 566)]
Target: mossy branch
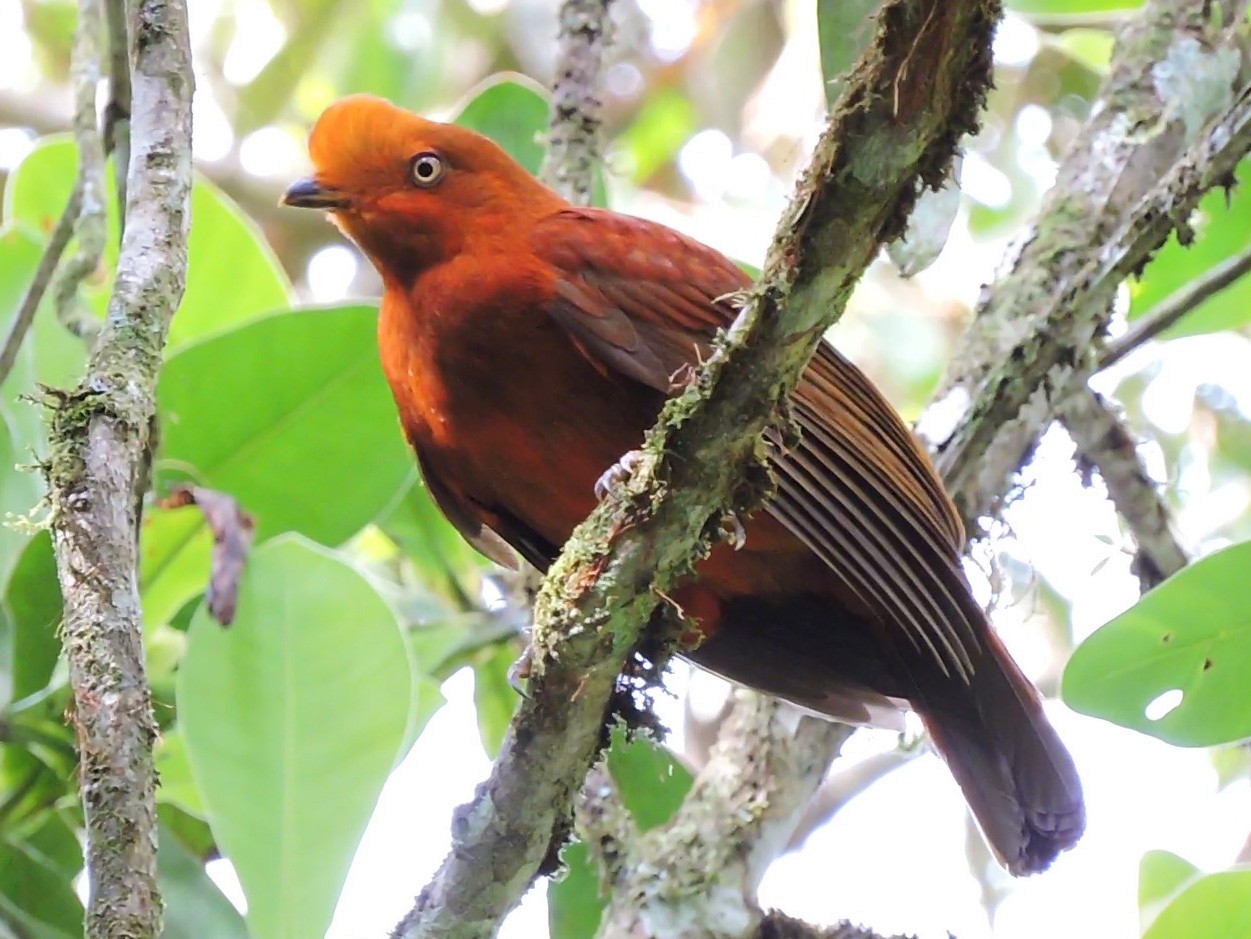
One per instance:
[(1137, 171), (917, 90), (97, 443)]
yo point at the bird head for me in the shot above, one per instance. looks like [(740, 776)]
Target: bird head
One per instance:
[(410, 191)]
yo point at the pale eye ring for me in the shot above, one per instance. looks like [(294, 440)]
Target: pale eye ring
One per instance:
[(426, 169)]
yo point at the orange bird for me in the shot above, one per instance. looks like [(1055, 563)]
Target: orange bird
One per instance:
[(530, 343)]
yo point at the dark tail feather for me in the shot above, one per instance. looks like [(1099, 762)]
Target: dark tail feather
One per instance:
[(1017, 776)]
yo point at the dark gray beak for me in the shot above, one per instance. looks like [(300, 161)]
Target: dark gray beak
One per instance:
[(310, 194)]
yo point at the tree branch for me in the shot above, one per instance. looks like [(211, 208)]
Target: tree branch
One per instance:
[(573, 145), (1134, 177), (44, 272), (1103, 439), (98, 436), (917, 90), (707, 862), (1170, 311), (1076, 235), (90, 228)]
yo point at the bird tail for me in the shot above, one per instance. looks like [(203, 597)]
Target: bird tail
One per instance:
[(1015, 772)]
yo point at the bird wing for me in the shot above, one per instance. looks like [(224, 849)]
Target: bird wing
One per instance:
[(644, 301)]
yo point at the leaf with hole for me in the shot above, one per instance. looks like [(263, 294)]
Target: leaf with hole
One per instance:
[(1175, 664)]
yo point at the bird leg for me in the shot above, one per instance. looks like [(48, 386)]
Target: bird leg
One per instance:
[(616, 474), (732, 530)]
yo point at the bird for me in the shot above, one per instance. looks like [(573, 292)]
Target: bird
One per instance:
[(530, 343)]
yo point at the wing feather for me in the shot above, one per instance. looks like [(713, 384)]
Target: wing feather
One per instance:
[(858, 489)]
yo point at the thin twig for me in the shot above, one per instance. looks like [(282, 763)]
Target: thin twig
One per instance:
[(60, 237), (1033, 339), (117, 111), (573, 145), (97, 441), (1103, 440), (1175, 306), (90, 228)]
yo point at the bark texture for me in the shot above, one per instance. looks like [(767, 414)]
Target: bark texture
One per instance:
[(95, 471)]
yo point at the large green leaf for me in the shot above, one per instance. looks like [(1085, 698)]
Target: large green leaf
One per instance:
[(194, 906), (33, 602), (1191, 635), (1222, 230), (292, 720), (1214, 907), (232, 275), (290, 415), (1161, 876)]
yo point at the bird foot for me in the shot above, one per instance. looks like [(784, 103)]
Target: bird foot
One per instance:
[(616, 474), (519, 673), (732, 530)]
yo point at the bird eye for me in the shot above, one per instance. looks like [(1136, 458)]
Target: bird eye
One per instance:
[(426, 170)]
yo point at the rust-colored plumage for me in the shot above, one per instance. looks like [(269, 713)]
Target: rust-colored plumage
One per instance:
[(529, 344)]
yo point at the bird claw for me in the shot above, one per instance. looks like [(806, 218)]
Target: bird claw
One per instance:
[(732, 530), (616, 474), (519, 673)]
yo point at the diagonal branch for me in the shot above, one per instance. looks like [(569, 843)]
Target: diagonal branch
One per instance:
[(917, 90), (1134, 178), (97, 441), (1103, 439)]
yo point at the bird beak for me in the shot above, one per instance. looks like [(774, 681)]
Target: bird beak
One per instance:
[(310, 194)]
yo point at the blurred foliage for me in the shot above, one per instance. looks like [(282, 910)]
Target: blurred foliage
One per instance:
[(359, 599)]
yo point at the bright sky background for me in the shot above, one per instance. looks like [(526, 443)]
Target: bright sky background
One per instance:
[(894, 859)]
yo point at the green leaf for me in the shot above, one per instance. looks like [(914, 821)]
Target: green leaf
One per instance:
[(36, 894), (293, 718), (232, 275), (446, 563), (174, 769), (844, 28), (652, 784), (1190, 635), (20, 492), (1071, 6), (574, 904), (1222, 230), (290, 415), (493, 695), (175, 550), (1161, 876), (1217, 906), (512, 110), (33, 601), (19, 256), (194, 906)]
